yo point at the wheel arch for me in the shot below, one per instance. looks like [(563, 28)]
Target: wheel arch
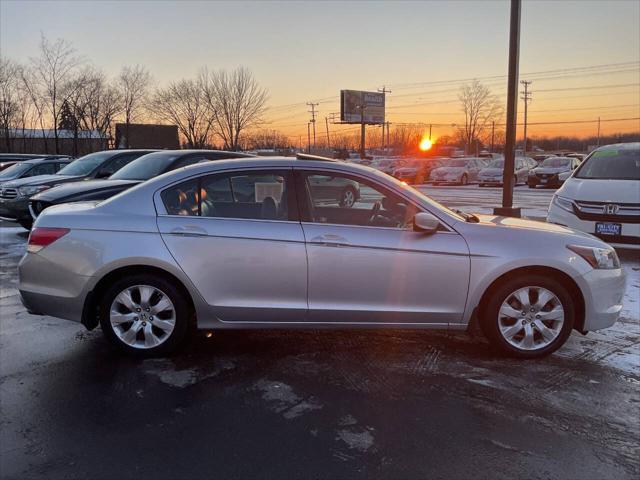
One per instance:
[(565, 279), (90, 309)]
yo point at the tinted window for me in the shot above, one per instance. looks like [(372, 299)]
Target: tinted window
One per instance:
[(43, 169), (556, 162), (344, 200), (611, 164), (118, 162), (497, 163), (146, 166), (85, 165), (14, 171), (456, 163), (259, 196)]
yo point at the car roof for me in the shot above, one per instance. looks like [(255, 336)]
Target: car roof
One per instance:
[(621, 146)]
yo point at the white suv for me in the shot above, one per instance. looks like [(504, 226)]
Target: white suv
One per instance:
[(602, 197)]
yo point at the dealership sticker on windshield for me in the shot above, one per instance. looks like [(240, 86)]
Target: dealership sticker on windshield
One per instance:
[(609, 228)]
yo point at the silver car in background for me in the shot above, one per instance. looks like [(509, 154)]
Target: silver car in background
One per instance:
[(250, 243), (460, 171), (493, 174)]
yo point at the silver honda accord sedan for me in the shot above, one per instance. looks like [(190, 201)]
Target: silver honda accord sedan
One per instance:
[(268, 242)]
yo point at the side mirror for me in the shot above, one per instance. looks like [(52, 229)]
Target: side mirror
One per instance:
[(426, 223)]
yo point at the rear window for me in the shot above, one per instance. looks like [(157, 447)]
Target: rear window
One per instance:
[(87, 164), (611, 165), (146, 167), (556, 162)]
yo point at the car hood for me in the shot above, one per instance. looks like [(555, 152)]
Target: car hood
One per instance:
[(549, 170), (450, 170), (78, 188), (491, 171), (40, 180), (596, 190)]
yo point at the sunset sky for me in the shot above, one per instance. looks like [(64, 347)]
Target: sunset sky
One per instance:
[(583, 56)]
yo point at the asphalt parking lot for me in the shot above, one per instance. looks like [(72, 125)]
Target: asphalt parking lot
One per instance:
[(318, 404)]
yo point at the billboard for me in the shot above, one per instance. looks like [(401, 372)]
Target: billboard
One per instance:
[(351, 102)]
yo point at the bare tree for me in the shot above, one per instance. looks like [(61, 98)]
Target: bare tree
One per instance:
[(133, 85), (183, 104), (480, 108), (236, 100), (33, 96), (52, 71), (266, 139), (9, 102)]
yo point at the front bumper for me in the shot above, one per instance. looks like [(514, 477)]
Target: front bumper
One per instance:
[(550, 181), (15, 209), (630, 233), (603, 291)]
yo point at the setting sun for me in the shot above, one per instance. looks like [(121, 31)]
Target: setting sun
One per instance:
[(425, 144)]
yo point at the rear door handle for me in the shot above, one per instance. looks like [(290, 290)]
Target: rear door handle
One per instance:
[(189, 231), (330, 240)]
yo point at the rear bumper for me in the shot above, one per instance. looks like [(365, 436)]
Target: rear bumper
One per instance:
[(46, 289)]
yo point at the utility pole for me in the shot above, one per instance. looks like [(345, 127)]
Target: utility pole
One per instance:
[(388, 134), (313, 120), (493, 130), (362, 108), (430, 131), (598, 143), (384, 91), (512, 114), (308, 137), (326, 121), (526, 96)]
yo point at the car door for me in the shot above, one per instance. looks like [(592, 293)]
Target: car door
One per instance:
[(237, 236), (367, 265)]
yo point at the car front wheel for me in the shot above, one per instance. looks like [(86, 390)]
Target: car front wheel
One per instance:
[(529, 317), (144, 315), (348, 198)]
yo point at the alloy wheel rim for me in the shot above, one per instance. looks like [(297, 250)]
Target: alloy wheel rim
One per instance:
[(348, 198), (142, 316), (531, 318)]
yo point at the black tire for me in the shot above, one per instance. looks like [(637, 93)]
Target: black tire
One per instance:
[(482, 185), (489, 315), (515, 180), (464, 180), (344, 197), (531, 186), (26, 224), (182, 309)]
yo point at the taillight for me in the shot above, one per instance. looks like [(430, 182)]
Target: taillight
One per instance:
[(41, 237)]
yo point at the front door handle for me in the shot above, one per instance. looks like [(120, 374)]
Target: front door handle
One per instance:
[(189, 231), (330, 240)]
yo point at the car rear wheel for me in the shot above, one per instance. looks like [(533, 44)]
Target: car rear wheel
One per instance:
[(464, 180), (144, 315), (528, 317), (348, 197)]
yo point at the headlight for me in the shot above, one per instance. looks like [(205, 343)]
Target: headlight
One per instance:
[(601, 258), (29, 191), (563, 203)]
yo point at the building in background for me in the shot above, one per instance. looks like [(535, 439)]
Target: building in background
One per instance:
[(70, 142), (137, 135)]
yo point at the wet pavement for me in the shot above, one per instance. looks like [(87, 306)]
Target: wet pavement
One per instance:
[(313, 404)]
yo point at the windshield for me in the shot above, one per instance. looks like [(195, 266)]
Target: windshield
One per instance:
[(556, 162), (455, 163), (497, 164), (16, 170), (145, 167), (611, 165), (85, 165)]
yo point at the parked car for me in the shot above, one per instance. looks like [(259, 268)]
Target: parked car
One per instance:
[(9, 159), (459, 171), (553, 172), (494, 172), (15, 194), (417, 170), (602, 197), (33, 167), (181, 249), (7, 164), (327, 189), (139, 170), (386, 165)]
